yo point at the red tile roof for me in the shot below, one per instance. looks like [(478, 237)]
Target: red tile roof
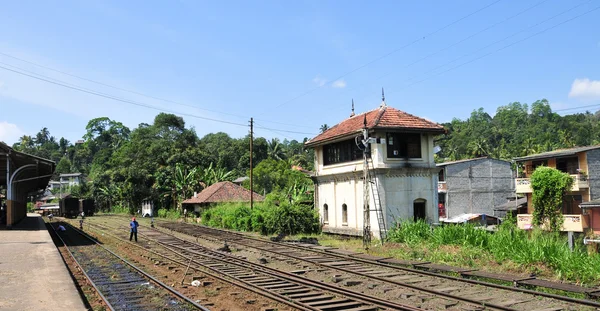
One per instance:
[(380, 118), (224, 191)]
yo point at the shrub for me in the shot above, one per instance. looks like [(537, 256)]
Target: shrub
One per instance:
[(264, 218), (169, 213)]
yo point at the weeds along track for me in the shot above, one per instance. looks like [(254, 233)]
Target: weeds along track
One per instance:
[(299, 291), (415, 283), (121, 285)]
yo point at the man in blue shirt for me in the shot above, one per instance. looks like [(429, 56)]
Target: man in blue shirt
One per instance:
[(133, 225)]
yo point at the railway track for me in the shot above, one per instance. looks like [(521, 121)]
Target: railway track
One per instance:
[(385, 270), (301, 292), (119, 283)]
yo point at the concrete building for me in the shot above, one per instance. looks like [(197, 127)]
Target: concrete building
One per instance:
[(583, 164), (473, 186), (71, 179), (403, 168)]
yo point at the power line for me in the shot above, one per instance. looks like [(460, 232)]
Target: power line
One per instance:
[(457, 43), (124, 89), (388, 54), (506, 46), (108, 96), (56, 82)]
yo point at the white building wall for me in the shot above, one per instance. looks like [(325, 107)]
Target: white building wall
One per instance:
[(401, 182)]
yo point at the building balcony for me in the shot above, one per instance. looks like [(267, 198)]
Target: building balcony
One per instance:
[(442, 187), (575, 223), (523, 185)]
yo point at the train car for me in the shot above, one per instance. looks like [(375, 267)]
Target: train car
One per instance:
[(69, 207), (87, 206)]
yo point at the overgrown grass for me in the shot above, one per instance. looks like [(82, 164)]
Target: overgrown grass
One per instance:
[(169, 213), (265, 218), (536, 251)]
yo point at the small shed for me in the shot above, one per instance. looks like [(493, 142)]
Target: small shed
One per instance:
[(476, 219), (221, 192), (513, 206)]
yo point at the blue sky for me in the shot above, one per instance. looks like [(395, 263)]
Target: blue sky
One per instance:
[(292, 65)]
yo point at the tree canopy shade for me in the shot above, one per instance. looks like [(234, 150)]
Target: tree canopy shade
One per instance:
[(549, 187)]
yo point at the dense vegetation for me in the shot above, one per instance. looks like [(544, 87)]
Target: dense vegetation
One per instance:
[(165, 161), (534, 252), (517, 130), (265, 218)]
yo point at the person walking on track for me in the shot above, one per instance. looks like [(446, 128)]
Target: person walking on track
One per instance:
[(133, 225)]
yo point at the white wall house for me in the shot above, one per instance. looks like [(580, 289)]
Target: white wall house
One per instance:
[(403, 164)]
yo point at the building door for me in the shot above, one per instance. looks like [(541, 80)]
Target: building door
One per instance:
[(419, 209)]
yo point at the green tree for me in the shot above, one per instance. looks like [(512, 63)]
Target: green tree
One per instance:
[(63, 166), (549, 187)]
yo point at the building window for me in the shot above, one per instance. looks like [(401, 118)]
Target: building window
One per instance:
[(325, 213), (568, 165), (404, 145), (344, 214), (535, 164), (442, 175), (344, 151)]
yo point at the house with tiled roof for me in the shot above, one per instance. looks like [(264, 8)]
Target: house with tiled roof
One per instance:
[(221, 192), (400, 163), (580, 211), (473, 186)]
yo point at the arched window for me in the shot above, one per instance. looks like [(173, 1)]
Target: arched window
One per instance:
[(344, 214), (325, 213)]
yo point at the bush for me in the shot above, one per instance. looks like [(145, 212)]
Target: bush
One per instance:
[(264, 218)]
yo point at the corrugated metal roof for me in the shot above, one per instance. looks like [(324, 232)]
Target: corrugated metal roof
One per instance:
[(462, 161)]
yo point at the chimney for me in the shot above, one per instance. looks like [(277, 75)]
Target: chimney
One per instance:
[(195, 194)]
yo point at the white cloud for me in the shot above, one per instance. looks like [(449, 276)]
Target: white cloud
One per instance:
[(10, 133), (585, 89), (339, 84), (320, 81)]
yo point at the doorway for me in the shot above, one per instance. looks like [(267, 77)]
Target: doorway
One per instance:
[(419, 209)]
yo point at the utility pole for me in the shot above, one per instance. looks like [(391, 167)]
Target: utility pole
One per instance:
[(251, 142), (366, 181)]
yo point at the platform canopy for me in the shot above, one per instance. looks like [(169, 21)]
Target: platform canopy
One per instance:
[(20, 174)]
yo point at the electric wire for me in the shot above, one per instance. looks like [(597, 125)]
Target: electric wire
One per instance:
[(454, 44), (126, 90), (387, 54), (506, 46)]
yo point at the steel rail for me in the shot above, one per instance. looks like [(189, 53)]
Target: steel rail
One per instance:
[(396, 267), (214, 275), (83, 271), (221, 257), (385, 303), (163, 285)]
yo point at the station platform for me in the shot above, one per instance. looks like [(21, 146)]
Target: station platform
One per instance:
[(32, 273)]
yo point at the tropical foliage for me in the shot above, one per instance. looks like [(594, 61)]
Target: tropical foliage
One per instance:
[(535, 252), (517, 130), (549, 186), (164, 161)]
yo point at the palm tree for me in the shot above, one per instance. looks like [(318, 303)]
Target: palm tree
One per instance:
[(324, 128), (275, 150)]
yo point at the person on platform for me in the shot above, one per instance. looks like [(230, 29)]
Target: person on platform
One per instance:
[(133, 225)]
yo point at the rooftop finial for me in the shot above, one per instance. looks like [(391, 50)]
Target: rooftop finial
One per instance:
[(382, 98), (352, 114)]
